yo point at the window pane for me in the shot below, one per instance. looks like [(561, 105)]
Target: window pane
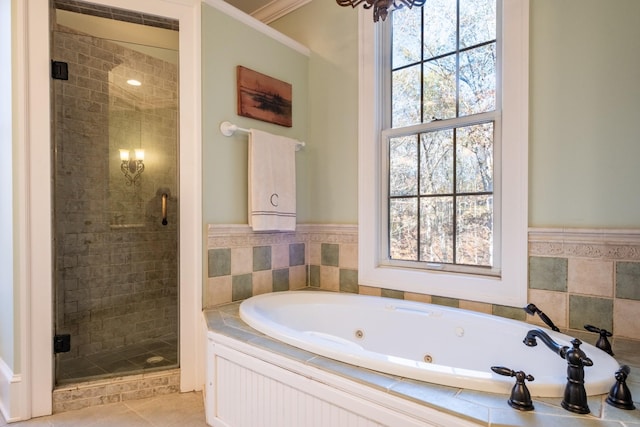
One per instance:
[(406, 37), (405, 108), (436, 229), (436, 162), (478, 80), (477, 22), (441, 181), (403, 166), (439, 28), (440, 89), (475, 230), (474, 157), (403, 229)]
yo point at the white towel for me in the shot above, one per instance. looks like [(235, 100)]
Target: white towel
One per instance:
[(272, 182)]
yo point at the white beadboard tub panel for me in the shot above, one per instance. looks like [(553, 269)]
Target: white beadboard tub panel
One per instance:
[(252, 397), (247, 387)]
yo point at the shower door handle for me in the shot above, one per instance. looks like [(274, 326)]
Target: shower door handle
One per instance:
[(164, 209)]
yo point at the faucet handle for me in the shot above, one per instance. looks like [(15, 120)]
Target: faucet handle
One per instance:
[(520, 397), (602, 343), (619, 395)]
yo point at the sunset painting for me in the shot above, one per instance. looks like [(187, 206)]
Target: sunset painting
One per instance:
[(264, 98)]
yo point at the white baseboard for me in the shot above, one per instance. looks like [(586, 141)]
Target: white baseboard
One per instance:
[(9, 393)]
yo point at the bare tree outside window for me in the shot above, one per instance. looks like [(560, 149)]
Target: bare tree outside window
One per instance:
[(441, 177)]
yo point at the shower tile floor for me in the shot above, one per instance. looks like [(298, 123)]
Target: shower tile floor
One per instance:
[(145, 356), (171, 410)]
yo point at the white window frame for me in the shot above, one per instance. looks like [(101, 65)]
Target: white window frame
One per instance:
[(510, 288)]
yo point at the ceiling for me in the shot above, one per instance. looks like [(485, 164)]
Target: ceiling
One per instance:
[(267, 10), (249, 6)]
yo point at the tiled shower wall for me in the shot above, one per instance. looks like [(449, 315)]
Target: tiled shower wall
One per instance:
[(116, 265), (576, 277)]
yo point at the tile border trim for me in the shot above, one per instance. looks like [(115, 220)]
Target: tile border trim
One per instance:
[(239, 235), (605, 244)]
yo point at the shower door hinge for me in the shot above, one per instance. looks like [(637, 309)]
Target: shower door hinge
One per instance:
[(61, 343), (59, 70)]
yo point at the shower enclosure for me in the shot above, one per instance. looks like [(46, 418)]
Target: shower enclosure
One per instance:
[(115, 186)]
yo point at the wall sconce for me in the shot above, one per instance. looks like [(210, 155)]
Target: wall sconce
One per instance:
[(132, 168)]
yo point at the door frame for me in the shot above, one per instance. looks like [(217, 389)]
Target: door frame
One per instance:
[(36, 267)]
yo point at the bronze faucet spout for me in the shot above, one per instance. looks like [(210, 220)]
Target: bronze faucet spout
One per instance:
[(575, 395), (530, 341)]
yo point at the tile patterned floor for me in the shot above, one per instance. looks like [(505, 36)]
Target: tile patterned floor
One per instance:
[(172, 410), (134, 358)]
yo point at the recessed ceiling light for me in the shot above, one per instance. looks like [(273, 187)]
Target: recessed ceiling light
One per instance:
[(134, 82)]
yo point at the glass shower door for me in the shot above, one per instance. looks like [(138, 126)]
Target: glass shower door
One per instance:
[(115, 207)]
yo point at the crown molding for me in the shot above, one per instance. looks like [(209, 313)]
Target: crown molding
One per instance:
[(257, 25), (277, 9)]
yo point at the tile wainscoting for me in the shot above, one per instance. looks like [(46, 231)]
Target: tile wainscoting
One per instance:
[(587, 276), (242, 263), (576, 276)]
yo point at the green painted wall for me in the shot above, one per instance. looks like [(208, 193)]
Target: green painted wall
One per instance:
[(331, 33), (584, 98), (585, 108), (227, 43)]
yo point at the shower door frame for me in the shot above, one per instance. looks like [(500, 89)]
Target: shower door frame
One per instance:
[(35, 322)]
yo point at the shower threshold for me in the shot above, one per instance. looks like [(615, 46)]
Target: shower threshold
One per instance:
[(117, 389)]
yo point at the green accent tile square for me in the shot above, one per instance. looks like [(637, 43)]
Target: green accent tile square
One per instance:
[(280, 280), (548, 273), (590, 311), (449, 302), (508, 312), (391, 293), (261, 258), (329, 254), (296, 254), (314, 276), (628, 280), (219, 262), (241, 287), (349, 280)]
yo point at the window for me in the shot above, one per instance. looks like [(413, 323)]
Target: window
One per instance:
[(440, 135), (443, 150)]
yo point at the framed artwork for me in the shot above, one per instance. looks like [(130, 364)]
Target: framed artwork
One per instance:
[(263, 98)]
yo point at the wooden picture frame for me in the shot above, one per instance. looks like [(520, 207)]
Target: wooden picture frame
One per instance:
[(264, 98)]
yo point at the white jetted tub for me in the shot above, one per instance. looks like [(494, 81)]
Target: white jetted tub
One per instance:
[(427, 342)]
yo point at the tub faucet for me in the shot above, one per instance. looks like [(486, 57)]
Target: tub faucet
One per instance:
[(533, 310), (575, 395)]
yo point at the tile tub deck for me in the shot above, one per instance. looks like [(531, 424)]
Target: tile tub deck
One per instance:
[(485, 409)]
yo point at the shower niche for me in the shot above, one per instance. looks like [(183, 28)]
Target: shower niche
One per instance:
[(115, 145)]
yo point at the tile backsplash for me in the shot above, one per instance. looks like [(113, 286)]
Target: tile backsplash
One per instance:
[(576, 277)]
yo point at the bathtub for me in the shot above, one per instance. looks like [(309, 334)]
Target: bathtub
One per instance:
[(425, 342)]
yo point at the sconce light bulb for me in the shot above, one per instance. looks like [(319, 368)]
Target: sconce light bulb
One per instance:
[(124, 155), (139, 154)]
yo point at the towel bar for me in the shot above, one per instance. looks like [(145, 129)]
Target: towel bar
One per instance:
[(228, 129)]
